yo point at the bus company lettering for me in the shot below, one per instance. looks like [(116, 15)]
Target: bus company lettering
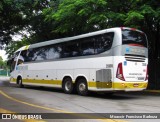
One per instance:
[(140, 51), (135, 73)]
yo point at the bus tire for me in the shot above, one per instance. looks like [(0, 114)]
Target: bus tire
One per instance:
[(19, 82), (67, 85), (82, 87)]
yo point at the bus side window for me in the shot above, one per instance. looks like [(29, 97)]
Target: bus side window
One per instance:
[(22, 57), (41, 53), (103, 42), (54, 51), (71, 49), (87, 46), (30, 55)]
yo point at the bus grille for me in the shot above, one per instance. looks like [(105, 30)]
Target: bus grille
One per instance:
[(134, 58)]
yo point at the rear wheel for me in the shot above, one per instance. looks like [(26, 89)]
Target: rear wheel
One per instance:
[(19, 82), (82, 87), (68, 85)]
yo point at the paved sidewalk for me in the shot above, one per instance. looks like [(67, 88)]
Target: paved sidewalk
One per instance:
[(2, 78), (153, 91)]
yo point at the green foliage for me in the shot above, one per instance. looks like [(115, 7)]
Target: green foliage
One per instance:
[(8, 18), (46, 20), (3, 64), (133, 17), (79, 16), (15, 45), (1, 61), (18, 15)]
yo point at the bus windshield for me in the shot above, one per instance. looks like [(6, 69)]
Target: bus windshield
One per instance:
[(134, 38)]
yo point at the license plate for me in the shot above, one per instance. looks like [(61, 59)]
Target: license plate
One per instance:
[(135, 85)]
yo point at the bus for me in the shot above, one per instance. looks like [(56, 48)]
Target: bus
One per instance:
[(108, 60)]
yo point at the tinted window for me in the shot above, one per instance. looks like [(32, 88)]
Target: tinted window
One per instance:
[(103, 42), (81, 47), (44, 53), (87, 46), (30, 54), (23, 56), (133, 37), (54, 51), (71, 49), (37, 54)]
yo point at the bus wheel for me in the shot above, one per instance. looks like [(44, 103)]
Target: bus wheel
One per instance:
[(82, 87), (68, 85), (19, 82)]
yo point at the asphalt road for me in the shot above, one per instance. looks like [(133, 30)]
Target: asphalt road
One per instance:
[(50, 101)]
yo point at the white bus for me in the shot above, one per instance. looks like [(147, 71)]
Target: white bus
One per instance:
[(108, 60)]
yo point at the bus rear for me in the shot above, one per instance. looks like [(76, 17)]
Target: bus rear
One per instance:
[(131, 61)]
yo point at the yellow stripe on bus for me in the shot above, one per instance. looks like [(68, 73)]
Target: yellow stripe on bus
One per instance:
[(26, 47), (92, 84), (40, 81)]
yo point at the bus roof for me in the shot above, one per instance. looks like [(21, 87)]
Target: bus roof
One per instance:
[(72, 38), (23, 48), (56, 41)]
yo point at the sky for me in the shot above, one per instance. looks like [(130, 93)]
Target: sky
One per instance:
[(3, 54)]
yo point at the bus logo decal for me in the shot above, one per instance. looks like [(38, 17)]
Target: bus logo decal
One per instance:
[(127, 49), (125, 63)]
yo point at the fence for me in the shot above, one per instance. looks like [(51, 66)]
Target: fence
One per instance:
[(4, 72)]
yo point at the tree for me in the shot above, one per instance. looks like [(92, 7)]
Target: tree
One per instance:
[(17, 16), (75, 17), (3, 64), (9, 21), (15, 45)]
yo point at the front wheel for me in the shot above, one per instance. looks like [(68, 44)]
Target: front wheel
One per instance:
[(82, 87), (68, 86), (19, 82)]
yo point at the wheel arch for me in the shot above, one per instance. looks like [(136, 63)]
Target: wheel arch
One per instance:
[(80, 77), (66, 76)]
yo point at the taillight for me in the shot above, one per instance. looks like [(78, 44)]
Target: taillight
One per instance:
[(119, 73), (146, 74)]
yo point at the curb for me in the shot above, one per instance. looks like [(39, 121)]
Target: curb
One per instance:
[(153, 91), (4, 78)]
